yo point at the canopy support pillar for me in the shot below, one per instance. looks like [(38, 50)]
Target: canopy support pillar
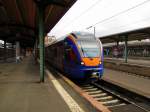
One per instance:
[(126, 48), (5, 51), (41, 40)]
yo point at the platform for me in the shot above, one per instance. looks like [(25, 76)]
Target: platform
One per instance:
[(21, 90), (130, 61), (135, 66), (134, 83)]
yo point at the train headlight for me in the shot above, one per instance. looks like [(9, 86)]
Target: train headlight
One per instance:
[(100, 62), (82, 63)]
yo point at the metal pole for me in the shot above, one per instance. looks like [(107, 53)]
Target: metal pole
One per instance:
[(126, 48), (5, 53), (41, 40), (17, 51), (117, 43), (93, 29), (94, 33), (35, 46)]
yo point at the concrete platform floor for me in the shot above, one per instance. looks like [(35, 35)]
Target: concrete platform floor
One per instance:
[(134, 83), (20, 90), (130, 61)]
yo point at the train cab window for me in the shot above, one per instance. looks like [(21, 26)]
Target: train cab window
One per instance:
[(89, 48)]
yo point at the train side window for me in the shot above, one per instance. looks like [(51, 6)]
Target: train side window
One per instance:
[(70, 55), (67, 52), (55, 52), (73, 56)]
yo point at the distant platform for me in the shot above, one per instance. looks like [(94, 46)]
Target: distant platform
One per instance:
[(133, 83), (138, 61), (135, 66)]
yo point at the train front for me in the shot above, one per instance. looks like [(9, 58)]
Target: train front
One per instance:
[(90, 57)]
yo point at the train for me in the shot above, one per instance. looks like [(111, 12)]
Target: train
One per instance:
[(136, 49), (78, 54)]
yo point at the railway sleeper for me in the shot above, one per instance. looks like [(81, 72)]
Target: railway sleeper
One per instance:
[(88, 87), (99, 95), (104, 98), (111, 102), (94, 92), (117, 105), (89, 90)]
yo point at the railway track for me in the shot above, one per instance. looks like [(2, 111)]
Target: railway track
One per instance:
[(113, 96)]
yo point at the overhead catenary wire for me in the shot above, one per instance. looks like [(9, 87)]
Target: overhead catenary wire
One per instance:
[(133, 7), (115, 15), (84, 12), (122, 12), (118, 27), (105, 19), (89, 8), (135, 22)]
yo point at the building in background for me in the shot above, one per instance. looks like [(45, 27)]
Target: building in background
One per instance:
[(49, 40)]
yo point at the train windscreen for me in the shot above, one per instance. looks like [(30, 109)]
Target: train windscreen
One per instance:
[(89, 48)]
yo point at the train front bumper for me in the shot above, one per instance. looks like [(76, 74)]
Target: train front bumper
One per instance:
[(91, 72), (82, 72)]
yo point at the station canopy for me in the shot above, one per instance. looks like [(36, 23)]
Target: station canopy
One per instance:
[(111, 18), (19, 18)]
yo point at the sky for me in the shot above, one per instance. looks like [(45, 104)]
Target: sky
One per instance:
[(107, 16)]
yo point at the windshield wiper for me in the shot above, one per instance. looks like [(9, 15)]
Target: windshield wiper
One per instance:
[(82, 49)]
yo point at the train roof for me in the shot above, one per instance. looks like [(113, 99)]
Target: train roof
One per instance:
[(78, 35)]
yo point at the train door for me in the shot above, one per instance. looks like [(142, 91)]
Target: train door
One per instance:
[(67, 58), (60, 54), (70, 59)]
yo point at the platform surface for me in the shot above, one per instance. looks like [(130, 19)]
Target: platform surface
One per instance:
[(21, 91), (134, 83), (129, 61)]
